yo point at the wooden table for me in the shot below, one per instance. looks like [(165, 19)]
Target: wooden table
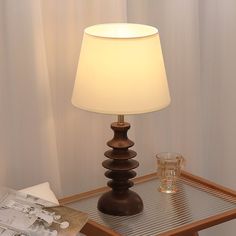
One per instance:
[(199, 204)]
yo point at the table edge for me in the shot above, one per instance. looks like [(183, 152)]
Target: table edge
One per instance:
[(94, 228), (145, 178)]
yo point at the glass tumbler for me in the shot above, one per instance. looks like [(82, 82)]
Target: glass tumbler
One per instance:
[(169, 167)]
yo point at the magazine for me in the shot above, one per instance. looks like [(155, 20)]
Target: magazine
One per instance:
[(25, 215)]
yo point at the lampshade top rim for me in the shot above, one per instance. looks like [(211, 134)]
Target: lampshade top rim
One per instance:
[(121, 30)]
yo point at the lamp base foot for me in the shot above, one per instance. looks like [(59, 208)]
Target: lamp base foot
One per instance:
[(120, 204)]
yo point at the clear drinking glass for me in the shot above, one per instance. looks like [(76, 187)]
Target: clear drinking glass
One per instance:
[(169, 165)]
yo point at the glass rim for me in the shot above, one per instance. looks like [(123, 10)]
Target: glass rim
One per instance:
[(169, 156)]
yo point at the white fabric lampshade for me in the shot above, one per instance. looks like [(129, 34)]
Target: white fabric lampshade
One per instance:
[(121, 70)]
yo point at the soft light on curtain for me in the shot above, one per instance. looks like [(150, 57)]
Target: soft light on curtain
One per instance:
[(28, 138), (43, 137)]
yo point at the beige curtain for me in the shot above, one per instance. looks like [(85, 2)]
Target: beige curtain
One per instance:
[(28, 148), (44, 138)]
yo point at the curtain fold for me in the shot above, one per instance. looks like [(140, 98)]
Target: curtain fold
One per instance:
[(80, 134), (43, 137), (28, 141), (179, 127)]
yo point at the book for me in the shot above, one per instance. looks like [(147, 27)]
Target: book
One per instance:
[(22, 214)]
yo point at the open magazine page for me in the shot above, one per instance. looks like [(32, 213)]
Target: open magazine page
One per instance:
[(22, 214)]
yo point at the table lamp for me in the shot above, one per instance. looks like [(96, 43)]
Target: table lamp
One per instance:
[(120, 71)]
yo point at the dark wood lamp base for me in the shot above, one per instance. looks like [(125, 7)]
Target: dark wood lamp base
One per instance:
[(120, 201)]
